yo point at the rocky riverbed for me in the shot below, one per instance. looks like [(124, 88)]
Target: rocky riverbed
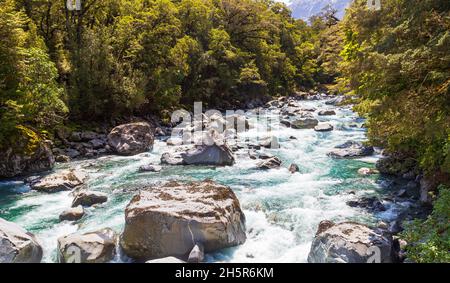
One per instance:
[(261, 201)]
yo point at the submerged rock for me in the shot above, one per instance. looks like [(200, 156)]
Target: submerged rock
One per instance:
[(269, 142), (17, 245), (89, 198), (372, 204), (350, 242), (367, 171), (62, 158), (150, 168), (93, 247), (131, 139), (170, 220), (61, 181), (271, 163), (72, 214), (293, 168), (351, 150)]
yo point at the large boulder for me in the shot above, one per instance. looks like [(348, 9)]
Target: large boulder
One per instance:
[(93, 247), (18, 245), (61, 181), (351, 150), (218, 155), (27, 155), (170, 220), (131, 139), (350, 242)]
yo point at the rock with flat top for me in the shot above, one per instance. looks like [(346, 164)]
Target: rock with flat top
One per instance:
[(60, 181), (171, 219), (72, 214), (323, 127)]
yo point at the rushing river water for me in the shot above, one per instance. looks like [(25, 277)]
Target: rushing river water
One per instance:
[(282, 209)]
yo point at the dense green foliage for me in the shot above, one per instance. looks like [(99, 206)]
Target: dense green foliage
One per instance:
[(29, 92), (117, 57), (398, 61), (430, 240)]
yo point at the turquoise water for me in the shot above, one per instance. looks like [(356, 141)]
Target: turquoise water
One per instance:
[(282, 209)]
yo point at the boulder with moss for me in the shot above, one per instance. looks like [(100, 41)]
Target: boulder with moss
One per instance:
[(27, 153)]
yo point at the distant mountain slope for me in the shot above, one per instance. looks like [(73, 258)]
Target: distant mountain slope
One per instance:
[(303, 9)]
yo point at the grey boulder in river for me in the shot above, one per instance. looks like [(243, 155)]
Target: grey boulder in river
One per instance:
[(92, 247), (132, 138), (350, 242), (18, 245), (215, 155), (172, 219)]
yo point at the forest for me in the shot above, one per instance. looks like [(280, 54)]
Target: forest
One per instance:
[(121, 58)]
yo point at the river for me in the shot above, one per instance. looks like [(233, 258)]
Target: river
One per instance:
[(282, 209)]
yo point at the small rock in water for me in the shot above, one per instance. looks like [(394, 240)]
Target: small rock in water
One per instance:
[(270, 142), (326, 112), (351, 149), (174, 141), (323, 127), (367, 171), (72, 214), (88, 198), (293, 168), (271, 163), (264, 155), (150, 168), (171, 159), (285, 122), (62, 158), (253, 154)]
